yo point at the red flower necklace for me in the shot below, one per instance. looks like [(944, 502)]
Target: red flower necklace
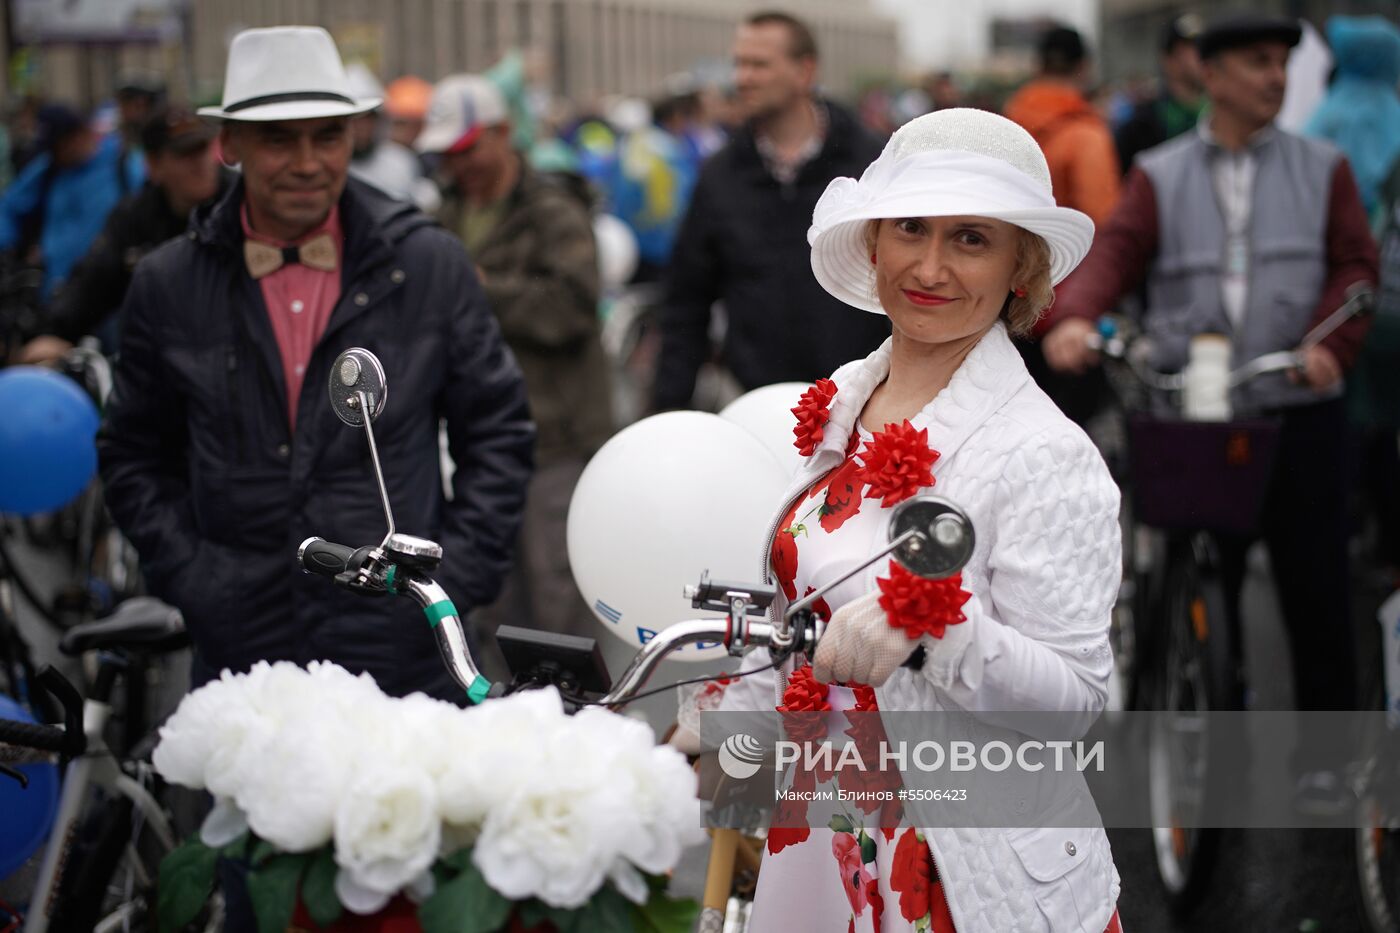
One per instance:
[(812, 412)]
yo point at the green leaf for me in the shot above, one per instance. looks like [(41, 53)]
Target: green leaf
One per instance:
[(840, 824), (461, 860), (186, 881), (606, 910), (272, 887), (236, 849), (262, 851), (466, 904), (318, 888), (867, 848), (662, 914), (534, 912)]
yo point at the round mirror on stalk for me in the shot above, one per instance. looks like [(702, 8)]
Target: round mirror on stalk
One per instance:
[(945, 540), (357, 372)]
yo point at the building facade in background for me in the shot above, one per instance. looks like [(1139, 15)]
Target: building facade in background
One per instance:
[(587, 48)]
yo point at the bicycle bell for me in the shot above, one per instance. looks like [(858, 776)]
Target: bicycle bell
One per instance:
[(944, 541)]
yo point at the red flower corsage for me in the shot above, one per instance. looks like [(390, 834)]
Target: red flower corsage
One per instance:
[(920, 606), (897, 463), (804, 696), (812, 412)]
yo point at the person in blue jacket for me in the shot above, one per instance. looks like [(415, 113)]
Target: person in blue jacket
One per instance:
[(59, 202)]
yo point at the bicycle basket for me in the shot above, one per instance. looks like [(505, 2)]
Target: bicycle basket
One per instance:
[(1190, 475)]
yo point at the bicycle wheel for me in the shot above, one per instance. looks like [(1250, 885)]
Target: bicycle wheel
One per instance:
[(1191, 673)]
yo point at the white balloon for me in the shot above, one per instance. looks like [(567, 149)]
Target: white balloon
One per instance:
[(664, 500), (617, 250), (766, 413)]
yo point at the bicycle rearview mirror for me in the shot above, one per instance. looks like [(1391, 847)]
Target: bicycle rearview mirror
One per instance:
[(942, 541), (929, 536), (358, 392), (357, 384)]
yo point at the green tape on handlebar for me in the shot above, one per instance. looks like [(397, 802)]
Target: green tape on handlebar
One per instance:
[(478, 690), (390, 577), (439, 610)]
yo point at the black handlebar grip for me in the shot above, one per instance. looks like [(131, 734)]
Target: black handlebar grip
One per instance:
[(33, 735), (324, 558)]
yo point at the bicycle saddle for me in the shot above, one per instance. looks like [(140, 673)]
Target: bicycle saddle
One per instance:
[(143, 623)]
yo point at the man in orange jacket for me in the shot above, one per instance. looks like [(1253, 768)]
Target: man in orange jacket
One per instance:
[(1076, 140), (1083, 171)]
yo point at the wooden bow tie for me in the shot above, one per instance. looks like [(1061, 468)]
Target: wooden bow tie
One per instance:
[(263, 260)]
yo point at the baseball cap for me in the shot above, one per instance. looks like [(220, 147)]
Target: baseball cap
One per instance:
[(177, 130), (462, 107)]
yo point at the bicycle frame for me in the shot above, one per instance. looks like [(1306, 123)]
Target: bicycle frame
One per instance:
[(97, 768)]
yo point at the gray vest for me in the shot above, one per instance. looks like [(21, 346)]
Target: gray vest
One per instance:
[(1287, 260)]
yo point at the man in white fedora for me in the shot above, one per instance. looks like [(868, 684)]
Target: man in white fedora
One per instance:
[(221, 453)]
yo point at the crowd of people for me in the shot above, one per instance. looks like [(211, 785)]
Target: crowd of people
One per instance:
[(226, 257)]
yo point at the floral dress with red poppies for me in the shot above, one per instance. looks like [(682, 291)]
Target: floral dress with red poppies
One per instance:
[(866, 870)]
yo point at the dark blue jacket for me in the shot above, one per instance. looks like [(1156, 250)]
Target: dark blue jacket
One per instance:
[(215, 490)]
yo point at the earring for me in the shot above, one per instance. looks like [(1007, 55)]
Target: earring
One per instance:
[(1019, 292), (872, 258)]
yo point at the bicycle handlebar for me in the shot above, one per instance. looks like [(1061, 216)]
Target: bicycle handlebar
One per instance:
[(30, 735), (1115, 342), (19, 739), (932, 537), (324, 558)]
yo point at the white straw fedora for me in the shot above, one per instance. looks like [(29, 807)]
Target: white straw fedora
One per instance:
[(948, 163), (286, 73)]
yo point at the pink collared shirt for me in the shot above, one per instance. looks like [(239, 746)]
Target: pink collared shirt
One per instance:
[(299, 302)]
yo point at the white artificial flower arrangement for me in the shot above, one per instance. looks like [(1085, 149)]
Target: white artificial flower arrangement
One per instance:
[(341, 797)]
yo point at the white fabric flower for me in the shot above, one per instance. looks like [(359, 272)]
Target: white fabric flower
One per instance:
[(554, 806), (495, 748), (223, 825), (387, 827)]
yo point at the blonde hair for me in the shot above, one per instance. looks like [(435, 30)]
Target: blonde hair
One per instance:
[(1032, 273)]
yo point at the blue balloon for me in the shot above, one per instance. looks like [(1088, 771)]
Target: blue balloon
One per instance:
[(26, 813), (48, 430)]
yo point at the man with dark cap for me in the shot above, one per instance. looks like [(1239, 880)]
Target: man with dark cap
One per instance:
[(1240, 228), (59, 202), (1179, 104), (182, 173)]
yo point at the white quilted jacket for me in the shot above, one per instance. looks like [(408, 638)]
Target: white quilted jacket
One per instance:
[(1044, 575)]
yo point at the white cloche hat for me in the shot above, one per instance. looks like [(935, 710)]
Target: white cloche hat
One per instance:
[(286, 73), (944, 164)]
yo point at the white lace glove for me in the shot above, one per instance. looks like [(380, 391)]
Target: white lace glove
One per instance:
[(860, 646)]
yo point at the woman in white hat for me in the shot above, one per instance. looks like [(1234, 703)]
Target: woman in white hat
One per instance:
[(953, 233)]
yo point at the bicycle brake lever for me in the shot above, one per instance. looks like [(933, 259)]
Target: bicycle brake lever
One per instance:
[(61, 689)]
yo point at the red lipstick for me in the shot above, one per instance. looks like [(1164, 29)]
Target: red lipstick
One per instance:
[(924, 299)]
